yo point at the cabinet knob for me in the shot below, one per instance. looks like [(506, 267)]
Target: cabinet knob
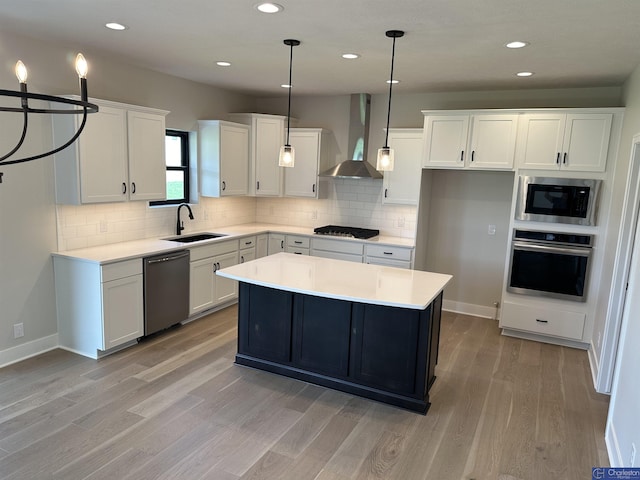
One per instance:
[(133, 187), (124, 188), (224, 185)]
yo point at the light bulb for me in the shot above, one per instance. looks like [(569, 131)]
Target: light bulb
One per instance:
[(81, 66), (287, 156), (385, 161), (21, 72)]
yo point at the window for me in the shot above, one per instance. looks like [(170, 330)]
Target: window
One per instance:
[(177, 164)]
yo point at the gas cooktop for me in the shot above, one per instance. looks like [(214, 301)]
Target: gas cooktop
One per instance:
[(353, 232)]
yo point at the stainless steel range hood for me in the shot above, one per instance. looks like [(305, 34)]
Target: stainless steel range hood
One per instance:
[(357, 166)]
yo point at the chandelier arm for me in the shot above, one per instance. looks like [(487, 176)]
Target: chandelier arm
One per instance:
[(54, 151), (22, 137)]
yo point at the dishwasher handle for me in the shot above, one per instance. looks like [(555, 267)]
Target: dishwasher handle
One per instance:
[(168, 258)]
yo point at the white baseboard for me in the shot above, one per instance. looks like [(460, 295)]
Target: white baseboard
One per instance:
[(594, 367), (469, 309), (28, 350), (613, 448)]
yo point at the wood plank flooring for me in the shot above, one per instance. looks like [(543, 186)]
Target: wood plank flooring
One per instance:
[(176, 407)]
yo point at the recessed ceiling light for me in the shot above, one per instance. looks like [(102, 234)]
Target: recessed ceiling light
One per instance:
[(393, 81), (223, 64), (524, 74), (115, 26), (350, 56), (516, 44), (269, 7)]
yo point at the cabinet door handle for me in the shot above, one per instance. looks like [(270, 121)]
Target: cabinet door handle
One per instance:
[(224, 185), (385, 192), (241, 258), (564, 158), (258, 185), (541, 321), (313, 188), (124, 188), (473, 154), (248, 243), (215, 268), (558, 159), (298, 253), (219, 267), (281, 243), (133, 187), (462, 156), (298, 242), (388, 253)]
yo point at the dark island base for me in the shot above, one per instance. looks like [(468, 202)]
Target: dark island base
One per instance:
[(386, 354)]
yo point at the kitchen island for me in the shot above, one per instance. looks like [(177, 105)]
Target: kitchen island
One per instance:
[(364, 329)]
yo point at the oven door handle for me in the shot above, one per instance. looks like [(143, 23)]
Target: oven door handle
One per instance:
[(532, 247)]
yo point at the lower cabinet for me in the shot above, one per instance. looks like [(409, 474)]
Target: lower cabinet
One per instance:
[(337, 249), (384, 353), (206, 289), (297, 244), (99, 307), (400, 257), (276, 243), (548, 321)]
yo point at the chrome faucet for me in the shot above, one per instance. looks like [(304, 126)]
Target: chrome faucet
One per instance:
[(179, 224)]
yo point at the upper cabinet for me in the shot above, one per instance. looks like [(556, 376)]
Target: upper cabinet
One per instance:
[(311, 151), (118, 157), (402, 185), (223, 153), (484, 141), (567, 141), (266, 138)]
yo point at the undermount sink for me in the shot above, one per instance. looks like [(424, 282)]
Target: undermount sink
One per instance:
[(196, 237)]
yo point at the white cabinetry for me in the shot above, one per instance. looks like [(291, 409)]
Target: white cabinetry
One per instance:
[(544, 321), (100, 307), (392, 256), (118, 157), (566, 141), (402, 185), (266, 138), (206, 290), (223, 152), (262, 245), (247, 249), (350, 251), (276, 243), (297, 244), (311, 150), (483, 141)]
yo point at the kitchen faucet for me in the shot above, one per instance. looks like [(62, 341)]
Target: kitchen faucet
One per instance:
[(179, 224)]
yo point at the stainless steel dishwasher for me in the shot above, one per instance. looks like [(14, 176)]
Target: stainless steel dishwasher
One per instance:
[(166, 290)]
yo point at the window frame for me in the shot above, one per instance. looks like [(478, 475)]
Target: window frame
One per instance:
[(182, 168)]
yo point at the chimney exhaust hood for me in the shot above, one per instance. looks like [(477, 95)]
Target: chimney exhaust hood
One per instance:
[(357, 166)]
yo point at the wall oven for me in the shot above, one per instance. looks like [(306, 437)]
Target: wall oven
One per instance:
[(557, 200), (550, 264)]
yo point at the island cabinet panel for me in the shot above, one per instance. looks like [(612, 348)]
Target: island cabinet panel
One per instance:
[(321, 330), (264, 323), (385, 347)]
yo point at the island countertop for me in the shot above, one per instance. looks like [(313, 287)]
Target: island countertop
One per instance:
[(338, 279)]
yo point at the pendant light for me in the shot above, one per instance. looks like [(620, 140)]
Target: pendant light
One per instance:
[(287, 156), (385, 154)]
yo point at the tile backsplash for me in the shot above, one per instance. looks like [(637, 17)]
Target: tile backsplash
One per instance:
[(348, 202)]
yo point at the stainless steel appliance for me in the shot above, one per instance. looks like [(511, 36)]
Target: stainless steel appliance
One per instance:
[(166, 290), (340, 231), (550, 264), (558, 200)]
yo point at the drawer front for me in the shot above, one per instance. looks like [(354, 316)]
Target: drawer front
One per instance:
[(212, 250), (383, 251), (389, 262), (297, 251), (545, 321), (348, 257), (247, 254), (128, 268), (247, 242), (354, 248), (298, 242)]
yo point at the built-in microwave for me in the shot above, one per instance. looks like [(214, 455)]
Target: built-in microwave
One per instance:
[(557, 200)]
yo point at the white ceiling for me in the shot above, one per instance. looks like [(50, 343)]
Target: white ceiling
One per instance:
[(449, 44)]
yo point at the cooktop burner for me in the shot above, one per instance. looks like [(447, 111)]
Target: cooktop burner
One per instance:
[(354, 232)]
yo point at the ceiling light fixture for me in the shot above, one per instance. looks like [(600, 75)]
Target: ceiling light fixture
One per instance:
[(393, 81), (350, 56), (516, 44), (269, 7), (287, 156), (524, 74), (385, 154), (223, 64), (25, 109), (115, 26)]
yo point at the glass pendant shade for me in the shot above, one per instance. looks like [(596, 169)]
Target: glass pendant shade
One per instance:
[(385, 160), (287, 156)]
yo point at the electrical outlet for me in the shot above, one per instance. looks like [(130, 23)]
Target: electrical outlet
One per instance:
[(18, 330), (632, 460), (491, 230)]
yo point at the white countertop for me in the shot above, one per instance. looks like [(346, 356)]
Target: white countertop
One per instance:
[(356, 282), (116, 252)]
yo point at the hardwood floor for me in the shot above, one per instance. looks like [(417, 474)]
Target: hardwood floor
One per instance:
[(176, 407)]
